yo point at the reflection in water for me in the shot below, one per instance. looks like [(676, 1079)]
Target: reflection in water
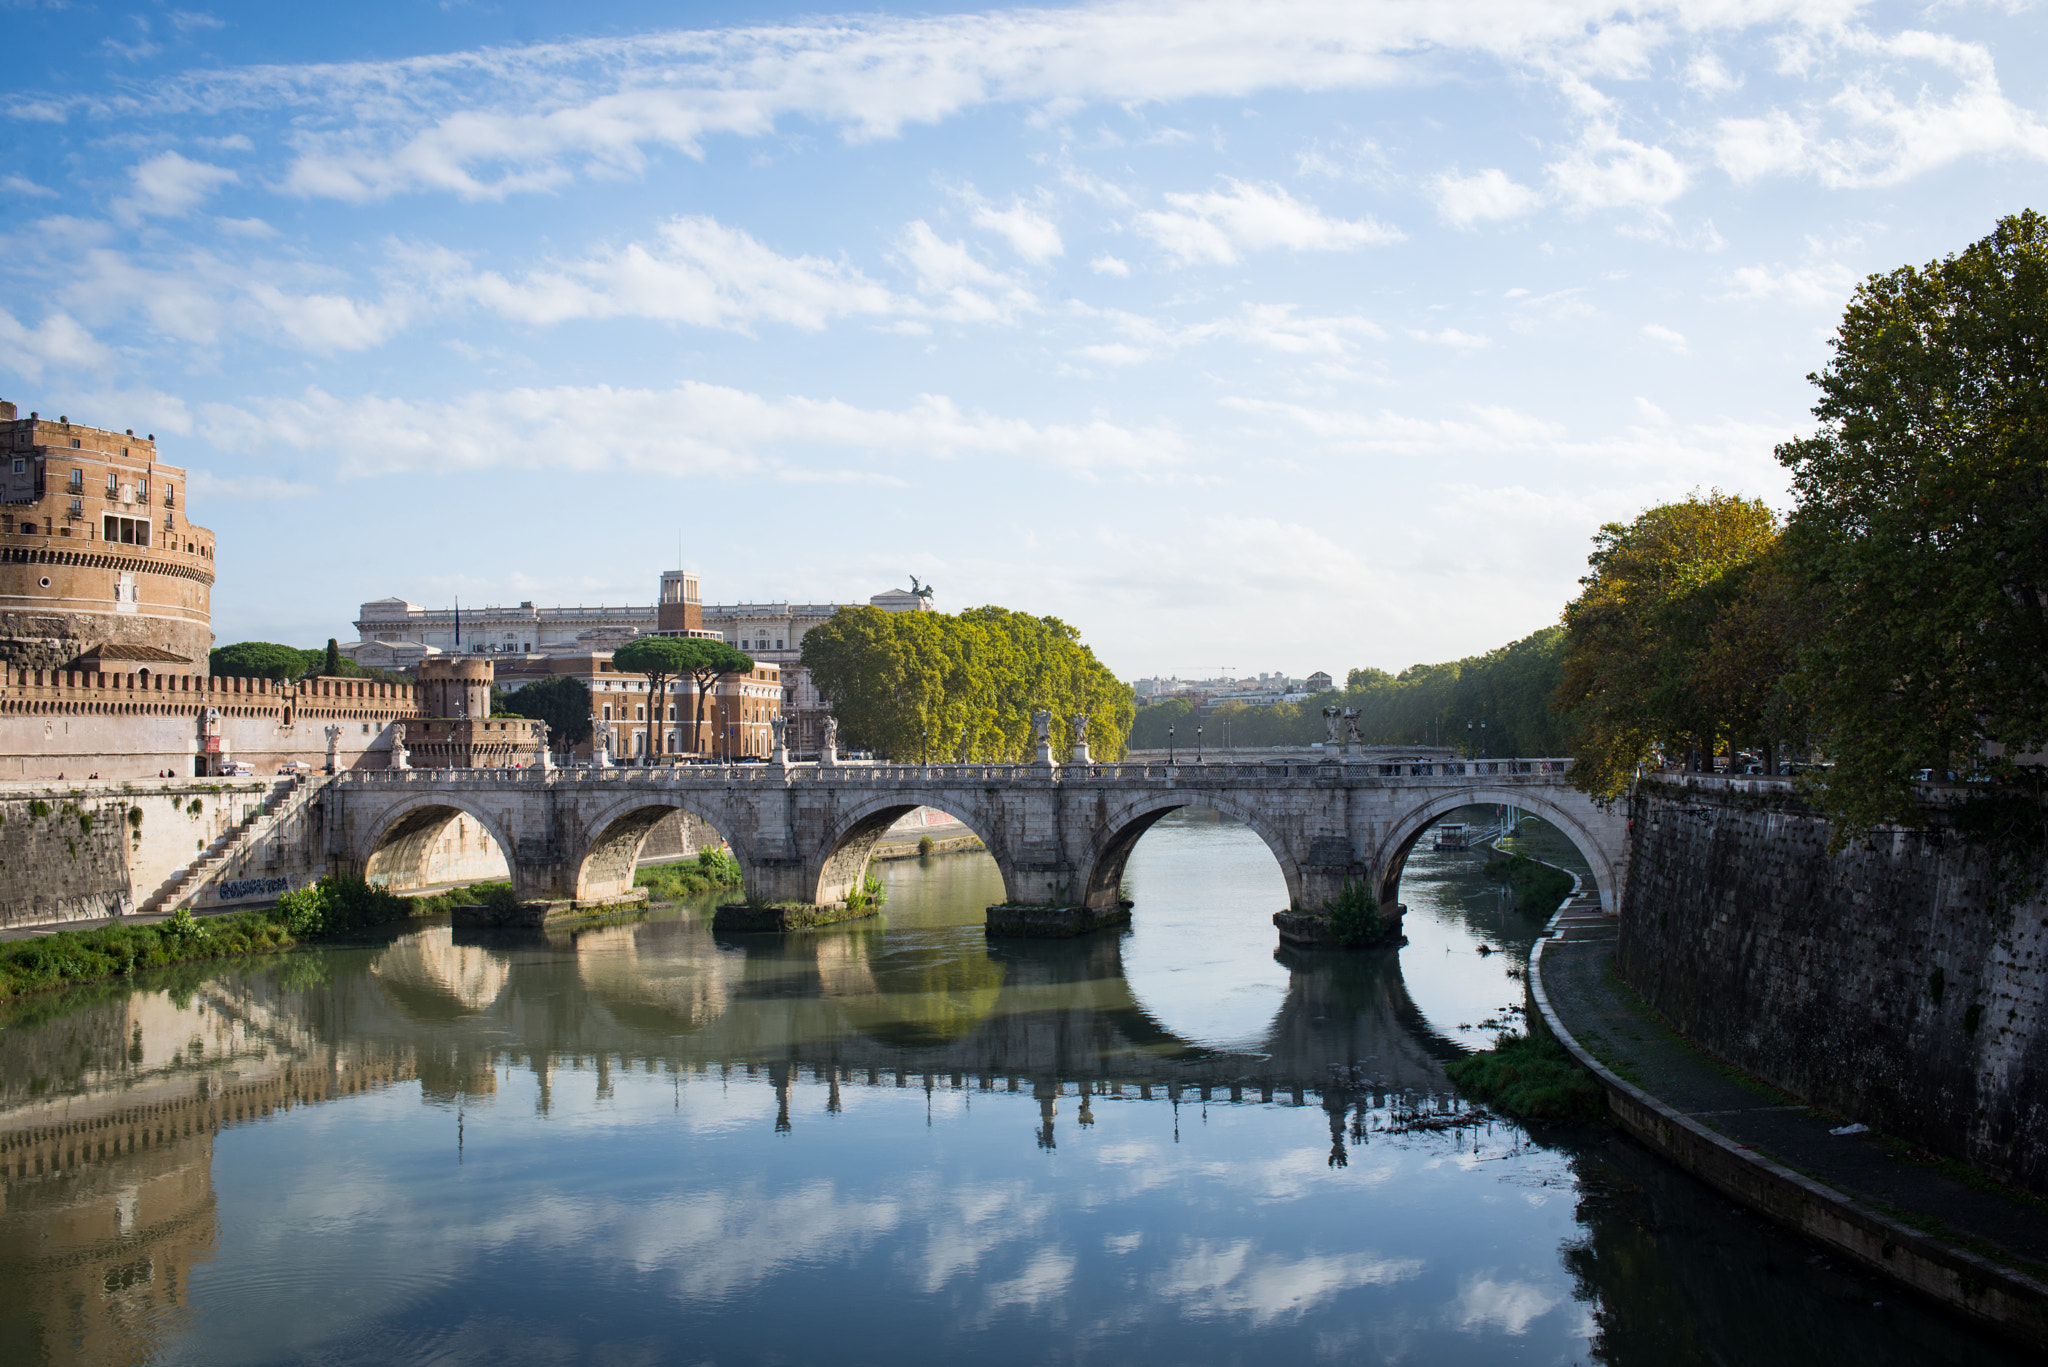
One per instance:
[(643, 1135)]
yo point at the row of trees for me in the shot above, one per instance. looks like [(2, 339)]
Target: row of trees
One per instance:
[(269, 660), (1509, 689), (664, 659), (929, 686), (1898, 620)]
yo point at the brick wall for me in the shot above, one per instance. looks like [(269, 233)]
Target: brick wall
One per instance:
[(1899, 983)]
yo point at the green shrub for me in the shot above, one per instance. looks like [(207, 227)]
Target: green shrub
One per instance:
[(870, 893), (924, 846), (39, 809), (1531, 1077), (1354, 915), (709, 871)]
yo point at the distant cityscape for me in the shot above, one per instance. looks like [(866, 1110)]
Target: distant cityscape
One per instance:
[(1207, 695)]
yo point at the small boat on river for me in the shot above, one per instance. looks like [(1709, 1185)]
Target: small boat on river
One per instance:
[(1452, 835)]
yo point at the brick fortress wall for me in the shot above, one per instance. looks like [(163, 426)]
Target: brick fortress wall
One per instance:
[(132, 726), (1910, 968)]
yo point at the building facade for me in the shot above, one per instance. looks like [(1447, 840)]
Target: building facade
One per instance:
[(99, 566), (738, 717), (529, 643)]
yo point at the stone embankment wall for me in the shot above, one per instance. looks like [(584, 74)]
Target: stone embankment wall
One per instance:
[(1900, 983), (74, 852)]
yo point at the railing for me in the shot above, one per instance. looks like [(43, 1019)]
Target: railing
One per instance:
[(865, 775)]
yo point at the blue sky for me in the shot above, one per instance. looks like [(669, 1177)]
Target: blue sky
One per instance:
[(1268, 337)]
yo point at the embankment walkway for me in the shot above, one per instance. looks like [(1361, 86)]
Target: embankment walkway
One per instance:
[(1980, 1250)]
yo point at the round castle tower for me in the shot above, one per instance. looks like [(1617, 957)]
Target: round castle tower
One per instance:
[(455, 687)]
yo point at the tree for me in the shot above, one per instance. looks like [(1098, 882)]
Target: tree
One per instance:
[(331, 666), (961, 688), (1634, 675), (1922, 525), (560, 700), (660, 659), (258, 660)]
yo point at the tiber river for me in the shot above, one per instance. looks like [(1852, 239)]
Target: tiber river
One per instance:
[(889, 1142)]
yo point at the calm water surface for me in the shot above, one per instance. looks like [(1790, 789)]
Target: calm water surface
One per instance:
[(891, 1141)]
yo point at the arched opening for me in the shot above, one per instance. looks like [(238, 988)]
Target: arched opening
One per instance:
[(1574, 827), (1127, 828), (894, 826), (1204, 883), (433, 844), (643, 830)]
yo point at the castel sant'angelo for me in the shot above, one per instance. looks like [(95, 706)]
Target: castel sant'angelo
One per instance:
[(100, 568), (106, 632)]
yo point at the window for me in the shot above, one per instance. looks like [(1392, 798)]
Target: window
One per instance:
[(607, 711), (20, 466), (142, 491), (77, 506), (76, 444), (78, 479), (113, 484), (639, 714), (170, 496)]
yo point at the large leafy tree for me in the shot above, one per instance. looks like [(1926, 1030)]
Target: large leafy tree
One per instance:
[(928, 685), (1922, 524), (1638, 637), (561, 700), (259, 660)]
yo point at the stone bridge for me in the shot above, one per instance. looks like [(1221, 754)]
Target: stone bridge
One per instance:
[(1060, 834)]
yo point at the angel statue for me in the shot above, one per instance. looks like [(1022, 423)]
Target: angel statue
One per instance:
[(918, 590), (1330, 725)]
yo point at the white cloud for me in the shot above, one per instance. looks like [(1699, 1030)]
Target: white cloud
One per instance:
[(58, 344), (1270, 327), (1485, 195), (1819, 282), (186, 21), (22, 185), (964, 289), (1658, 333), (691, 430), (695, 270), (1106, 264), (1030, 234), (1212, 226), (1451, 337), (494, 121), (169, 185), (1888, 122), (1608, 171), (208, 487)]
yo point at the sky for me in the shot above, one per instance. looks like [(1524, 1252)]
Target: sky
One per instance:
[(1244, 337)]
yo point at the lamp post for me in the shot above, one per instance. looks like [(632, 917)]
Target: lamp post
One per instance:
[(1468, 742), (1169, 745), (1482, 740), (1198, 745)]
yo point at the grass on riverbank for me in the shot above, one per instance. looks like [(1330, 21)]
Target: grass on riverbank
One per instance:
[(708, 872), (1538, 887), (1531, 1077), (333, 906)]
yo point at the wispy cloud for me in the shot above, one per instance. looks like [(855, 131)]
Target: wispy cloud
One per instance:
[(1214, 226), (691, 430), (171, 185)]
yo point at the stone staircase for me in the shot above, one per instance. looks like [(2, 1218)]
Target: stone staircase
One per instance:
[(193, 876)]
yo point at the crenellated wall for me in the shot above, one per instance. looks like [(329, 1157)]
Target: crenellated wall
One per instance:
[(1900, 983), (55, 724)]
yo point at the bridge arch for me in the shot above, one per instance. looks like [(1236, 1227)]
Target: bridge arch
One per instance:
[(603, 868), (858, 827), (399, 844), (1609, 865), (1118, 831)]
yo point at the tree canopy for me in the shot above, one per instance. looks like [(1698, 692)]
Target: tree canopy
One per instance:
[(1922, 524), (560, 700), (940, 686), (1653, 643), (269, 660), (1427, 704)]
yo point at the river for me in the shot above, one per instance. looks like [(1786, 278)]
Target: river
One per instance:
[(892, 1141)]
